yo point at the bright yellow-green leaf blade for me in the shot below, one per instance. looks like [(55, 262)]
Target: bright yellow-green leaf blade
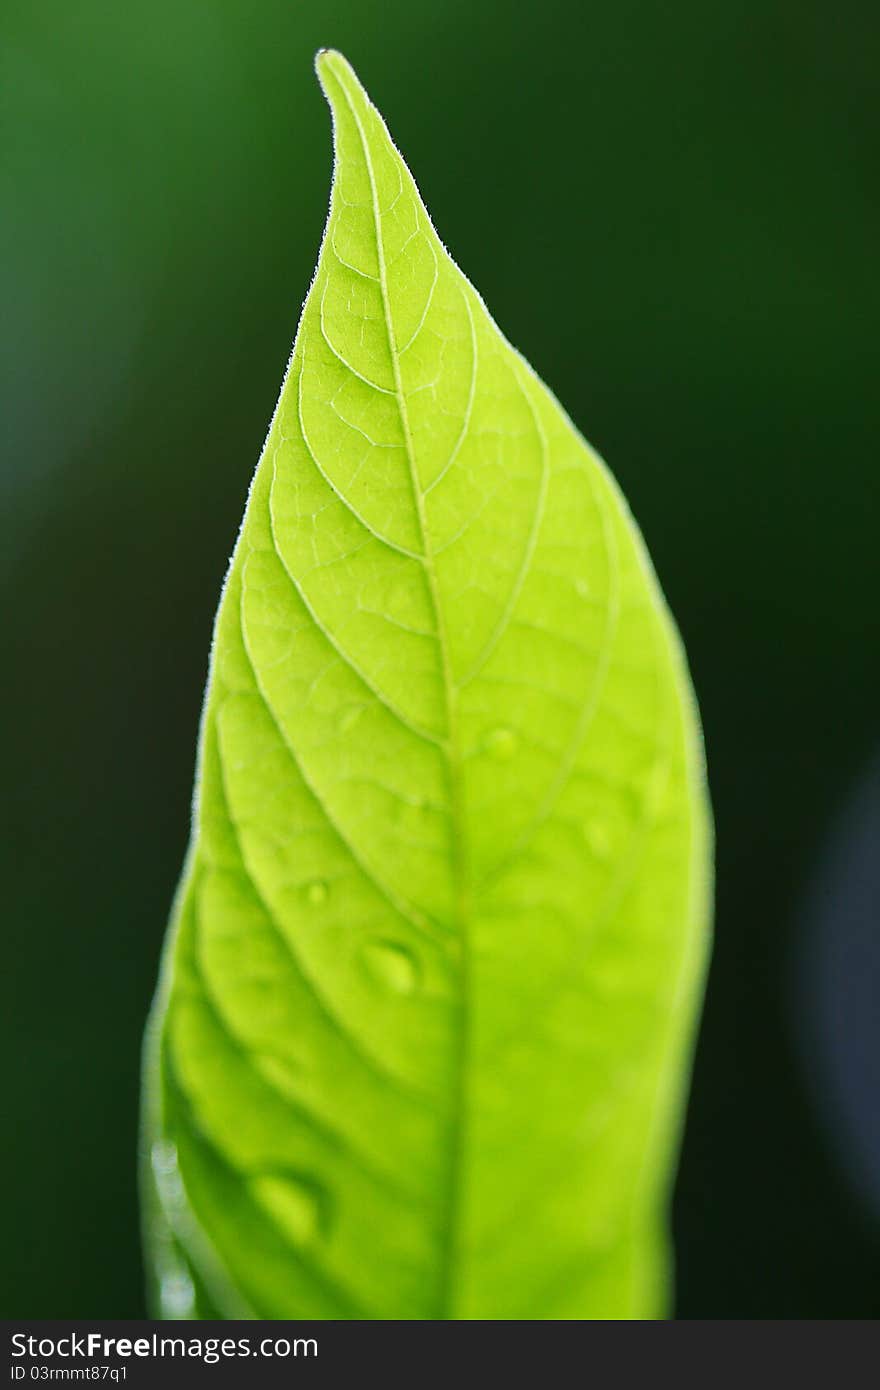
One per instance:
[(426, 1011)]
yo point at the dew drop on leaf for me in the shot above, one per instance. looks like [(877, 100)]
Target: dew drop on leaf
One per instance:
[(177, 1295), (392, 964), (163, 1157), (298, 1204), (502, 744), (316, 892), (169, 1184), (166, 1171)]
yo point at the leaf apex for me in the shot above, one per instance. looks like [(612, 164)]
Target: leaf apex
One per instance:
[(329, 62)]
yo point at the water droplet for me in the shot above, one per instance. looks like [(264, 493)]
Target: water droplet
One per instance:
[(169, 1183), (655, 786), (502, 744), (163, 1157), (177, 1295), (298, 1204), (393, 965), (582, 588), (316, 892), (597, 838)]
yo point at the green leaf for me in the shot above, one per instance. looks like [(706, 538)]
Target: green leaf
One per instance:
[(426, 1010)]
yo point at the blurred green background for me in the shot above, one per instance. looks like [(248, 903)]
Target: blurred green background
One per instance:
[(673, 210)]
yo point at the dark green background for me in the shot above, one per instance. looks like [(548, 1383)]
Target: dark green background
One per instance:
[(673, 210)]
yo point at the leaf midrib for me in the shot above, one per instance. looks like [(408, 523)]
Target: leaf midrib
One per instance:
[(452, 752)]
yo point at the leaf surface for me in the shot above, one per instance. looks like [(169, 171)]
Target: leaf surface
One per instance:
[(426, 1007)]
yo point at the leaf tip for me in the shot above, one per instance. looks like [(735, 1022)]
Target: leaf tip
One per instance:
[(329, 62), (338, 79)]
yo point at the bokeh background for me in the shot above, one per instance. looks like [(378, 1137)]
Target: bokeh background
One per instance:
[(673, 210)]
